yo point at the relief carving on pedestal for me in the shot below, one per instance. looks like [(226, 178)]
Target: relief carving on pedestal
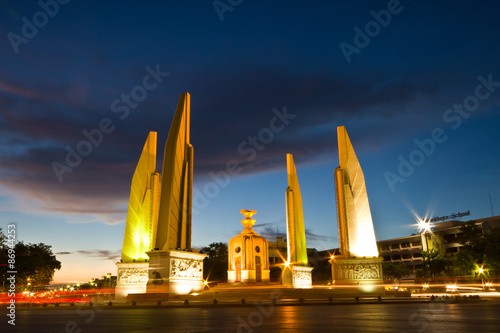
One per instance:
[(133, 276), (300, 276), (358, 271), (186, 268)]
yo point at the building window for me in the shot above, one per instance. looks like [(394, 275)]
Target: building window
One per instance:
[(394, 246), (257, 249), (450, 238), (237, 250), (452, 250)]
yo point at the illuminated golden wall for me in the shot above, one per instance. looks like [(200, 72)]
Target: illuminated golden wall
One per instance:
[(356, 234), (142, 215), (159, 211), (296, 236), (174, 221)]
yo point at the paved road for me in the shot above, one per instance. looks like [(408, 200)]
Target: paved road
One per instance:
[(483, 316)]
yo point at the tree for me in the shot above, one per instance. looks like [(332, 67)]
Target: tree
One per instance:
[(478, 250), (3, 238), (492, 252), (215, 264), (35, 264), (473, 240), (463, 263), (394, 271), (433, 264)]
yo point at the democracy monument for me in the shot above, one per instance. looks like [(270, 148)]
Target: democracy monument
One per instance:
[(296, 272), (157, 257), (358, 262)]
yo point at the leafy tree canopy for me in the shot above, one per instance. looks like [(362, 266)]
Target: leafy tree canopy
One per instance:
[(216, 263), (395, 271), (35, 264), (433, 264), (3, 238)]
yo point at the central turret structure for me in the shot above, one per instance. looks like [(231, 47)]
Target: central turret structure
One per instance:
[(248, 254)]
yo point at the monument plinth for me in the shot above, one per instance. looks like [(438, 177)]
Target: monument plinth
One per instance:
[(176, 272), (358, 262), (296, 272), (132, 278), (158, 231), (248, 254)]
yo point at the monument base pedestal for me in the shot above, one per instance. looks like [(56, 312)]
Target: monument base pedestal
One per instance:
[(297, 276), (302, 276), (357, 271), (132, 278), (175, 272)]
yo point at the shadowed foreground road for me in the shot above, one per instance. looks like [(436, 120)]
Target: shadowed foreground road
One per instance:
[(483, 316)]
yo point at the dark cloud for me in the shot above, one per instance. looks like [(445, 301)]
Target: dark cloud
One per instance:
[(49, 98), (105, 254), (270, 232), (36, 130)]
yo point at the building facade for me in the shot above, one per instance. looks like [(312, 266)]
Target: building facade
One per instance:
[(443, 236)]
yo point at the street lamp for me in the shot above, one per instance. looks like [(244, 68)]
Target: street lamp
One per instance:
[(109, 285), (481, 272)]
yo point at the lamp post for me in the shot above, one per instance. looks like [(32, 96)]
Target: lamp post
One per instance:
[(109, 285), (480, 272)]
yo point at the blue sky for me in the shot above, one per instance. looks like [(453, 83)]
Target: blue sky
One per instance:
[(395, 89)]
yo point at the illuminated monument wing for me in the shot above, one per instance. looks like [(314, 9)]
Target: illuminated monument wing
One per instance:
[(358, 262), (142, 216), (157, 255), (174, 226), (298, 273), (355, 219)]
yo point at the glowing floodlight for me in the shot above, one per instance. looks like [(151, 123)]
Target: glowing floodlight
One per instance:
[(424, 226)]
